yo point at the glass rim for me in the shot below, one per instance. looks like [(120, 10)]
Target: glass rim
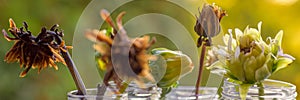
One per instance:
[(72, 94), (193, 87), (188, 93), (277, 83)]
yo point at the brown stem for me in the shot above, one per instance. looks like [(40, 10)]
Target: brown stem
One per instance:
[(200, 70), (75, 74)]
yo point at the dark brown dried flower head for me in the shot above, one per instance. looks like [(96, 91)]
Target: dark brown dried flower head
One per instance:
[(208, 24), (120, 46), (34, 52)]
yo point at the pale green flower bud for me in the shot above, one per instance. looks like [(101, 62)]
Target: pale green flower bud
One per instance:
[(249, 59), (169, 67)]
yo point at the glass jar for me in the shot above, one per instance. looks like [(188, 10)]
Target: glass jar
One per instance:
[(92, 95), (188, 93), (273, 89), (132, 92), (150, 92)]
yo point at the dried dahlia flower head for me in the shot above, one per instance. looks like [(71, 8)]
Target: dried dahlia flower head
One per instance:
[(117, 50), (35, 52)]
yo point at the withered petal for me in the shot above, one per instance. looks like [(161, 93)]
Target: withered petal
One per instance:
[(59, 58), (98, 36), (99, 48), (7, 37), (106, 16), (24, 72), (119, 22), (12, 23)]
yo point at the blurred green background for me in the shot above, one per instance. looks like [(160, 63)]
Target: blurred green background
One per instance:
[(53, 85)]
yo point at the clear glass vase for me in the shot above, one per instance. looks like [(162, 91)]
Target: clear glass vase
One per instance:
[(273, 90), (92, 95), (132, 92), (188, 93)]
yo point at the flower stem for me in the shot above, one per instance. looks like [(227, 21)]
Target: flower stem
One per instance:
[(75, 74), (243, 90), (261, 91), (124, 86), (101, 89), (200, 70)]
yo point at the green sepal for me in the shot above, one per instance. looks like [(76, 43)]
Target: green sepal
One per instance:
[(243, 90)]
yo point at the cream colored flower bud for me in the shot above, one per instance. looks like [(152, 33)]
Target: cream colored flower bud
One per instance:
[(247, 58)]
